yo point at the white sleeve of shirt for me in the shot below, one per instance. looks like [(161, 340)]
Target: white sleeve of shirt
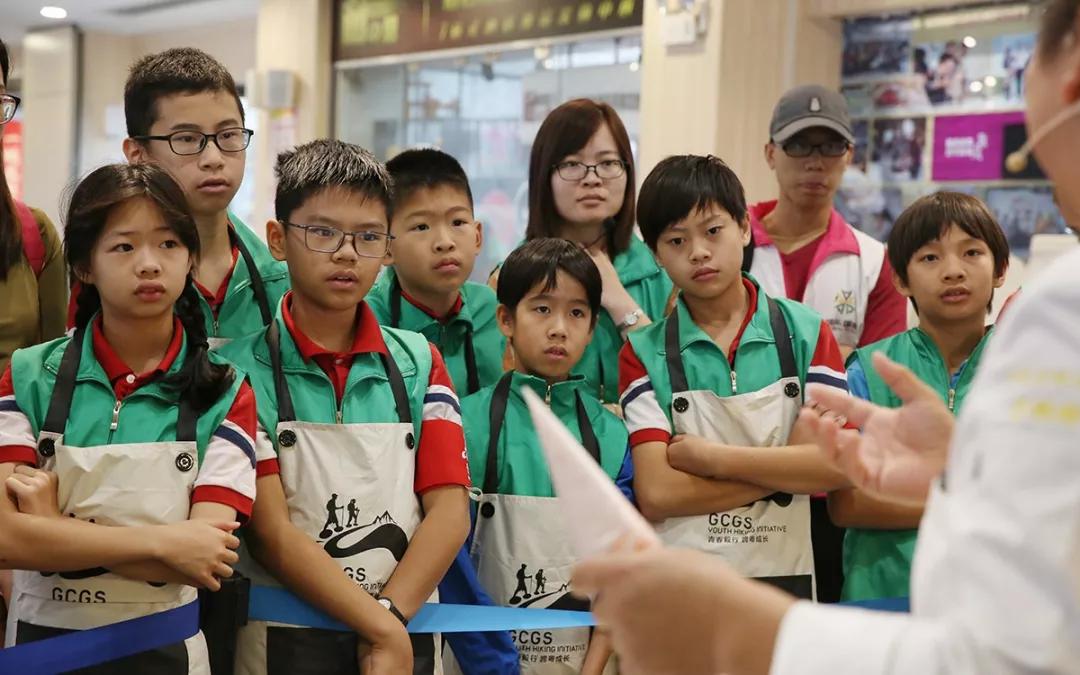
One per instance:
[(996, 577), (229, 461), (264, 445)]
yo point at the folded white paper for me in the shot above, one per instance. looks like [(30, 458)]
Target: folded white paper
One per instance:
[(595, 514)]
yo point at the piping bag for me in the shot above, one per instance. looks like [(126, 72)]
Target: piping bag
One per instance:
[(596, 516)]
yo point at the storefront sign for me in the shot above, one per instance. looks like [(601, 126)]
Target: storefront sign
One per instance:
[(366, 28), (973, 147)]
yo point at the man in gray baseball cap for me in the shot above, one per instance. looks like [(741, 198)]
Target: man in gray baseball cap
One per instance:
[(804, 250), (808, 107)]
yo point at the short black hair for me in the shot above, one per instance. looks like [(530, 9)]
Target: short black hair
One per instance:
[(683, 184), (326, 163), (420, 168), (184, 70), (540, 260), (928, 218)]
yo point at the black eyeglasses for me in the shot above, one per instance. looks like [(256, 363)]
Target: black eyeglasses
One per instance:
[(574, 171), (326, 239), (233, 139), (8, 105), (799, 148)]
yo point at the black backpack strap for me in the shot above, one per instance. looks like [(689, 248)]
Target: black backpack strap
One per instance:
[(64, 387), (676, 371), (186, 423), (397, 386), (257, 286), (286, 411), (473, 384), (782, 335), (588, 436), (496, 416)]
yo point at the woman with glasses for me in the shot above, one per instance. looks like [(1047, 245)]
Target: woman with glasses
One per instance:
[(33, 293), (581, 188)]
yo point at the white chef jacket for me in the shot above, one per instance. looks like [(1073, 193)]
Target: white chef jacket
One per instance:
[(996, 576)]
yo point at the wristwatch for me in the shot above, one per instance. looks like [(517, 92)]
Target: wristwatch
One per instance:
[(630, 320), (392, 608)]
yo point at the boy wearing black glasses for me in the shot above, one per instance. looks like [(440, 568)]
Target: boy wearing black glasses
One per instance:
[(804, 250), (184, 113), (362, 473)]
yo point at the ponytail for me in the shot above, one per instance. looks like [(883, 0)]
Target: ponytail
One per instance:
[(87, 304), (200, 382)]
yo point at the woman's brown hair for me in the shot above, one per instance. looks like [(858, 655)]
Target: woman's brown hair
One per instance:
[(11, 251), (566, 130)]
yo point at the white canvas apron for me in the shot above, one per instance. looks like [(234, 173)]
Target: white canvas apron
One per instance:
[(523, 557), (118, 485), (769, 539), (350, 488)]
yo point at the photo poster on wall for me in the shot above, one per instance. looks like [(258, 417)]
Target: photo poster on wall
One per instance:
[(898, 150), (936, 100), (1024, 212), (897, 65)]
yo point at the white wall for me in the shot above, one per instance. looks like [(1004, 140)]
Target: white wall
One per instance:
[(717, 96), (233, 43), (50, 85), (107, 60)]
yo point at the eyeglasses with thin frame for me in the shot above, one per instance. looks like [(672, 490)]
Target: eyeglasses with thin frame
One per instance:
[(187, 142), (799, 148), (9, 103), (326, 239), (605, 170)]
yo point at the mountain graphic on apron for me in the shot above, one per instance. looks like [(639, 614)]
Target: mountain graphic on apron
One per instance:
[(342, 541)]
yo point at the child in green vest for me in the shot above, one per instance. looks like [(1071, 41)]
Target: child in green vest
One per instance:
[(363, 476), (949, 254), (426, 290), (146, 436), (711, 393), (549, 302)]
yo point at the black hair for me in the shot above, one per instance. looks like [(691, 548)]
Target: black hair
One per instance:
[(200, 382), (326, 163), (5, 64), (11, 250), (184, 70), (683, 184), (927, 219), (1058, 23), (421, 168), (540, 260)]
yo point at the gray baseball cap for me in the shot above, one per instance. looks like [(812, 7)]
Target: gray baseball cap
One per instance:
[(808, 107)]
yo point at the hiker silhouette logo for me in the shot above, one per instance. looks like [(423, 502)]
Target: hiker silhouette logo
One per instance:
[(343, 536)]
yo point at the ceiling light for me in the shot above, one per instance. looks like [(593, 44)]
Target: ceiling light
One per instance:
[(970, 42), (50, 12)]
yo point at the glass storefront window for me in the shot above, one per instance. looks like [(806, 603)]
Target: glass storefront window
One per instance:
[(484, 109), (937, 104)]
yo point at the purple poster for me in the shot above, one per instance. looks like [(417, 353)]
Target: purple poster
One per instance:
[(971, 147)]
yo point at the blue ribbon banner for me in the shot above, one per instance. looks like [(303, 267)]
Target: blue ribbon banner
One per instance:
[(85, 648), (281, 606)]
